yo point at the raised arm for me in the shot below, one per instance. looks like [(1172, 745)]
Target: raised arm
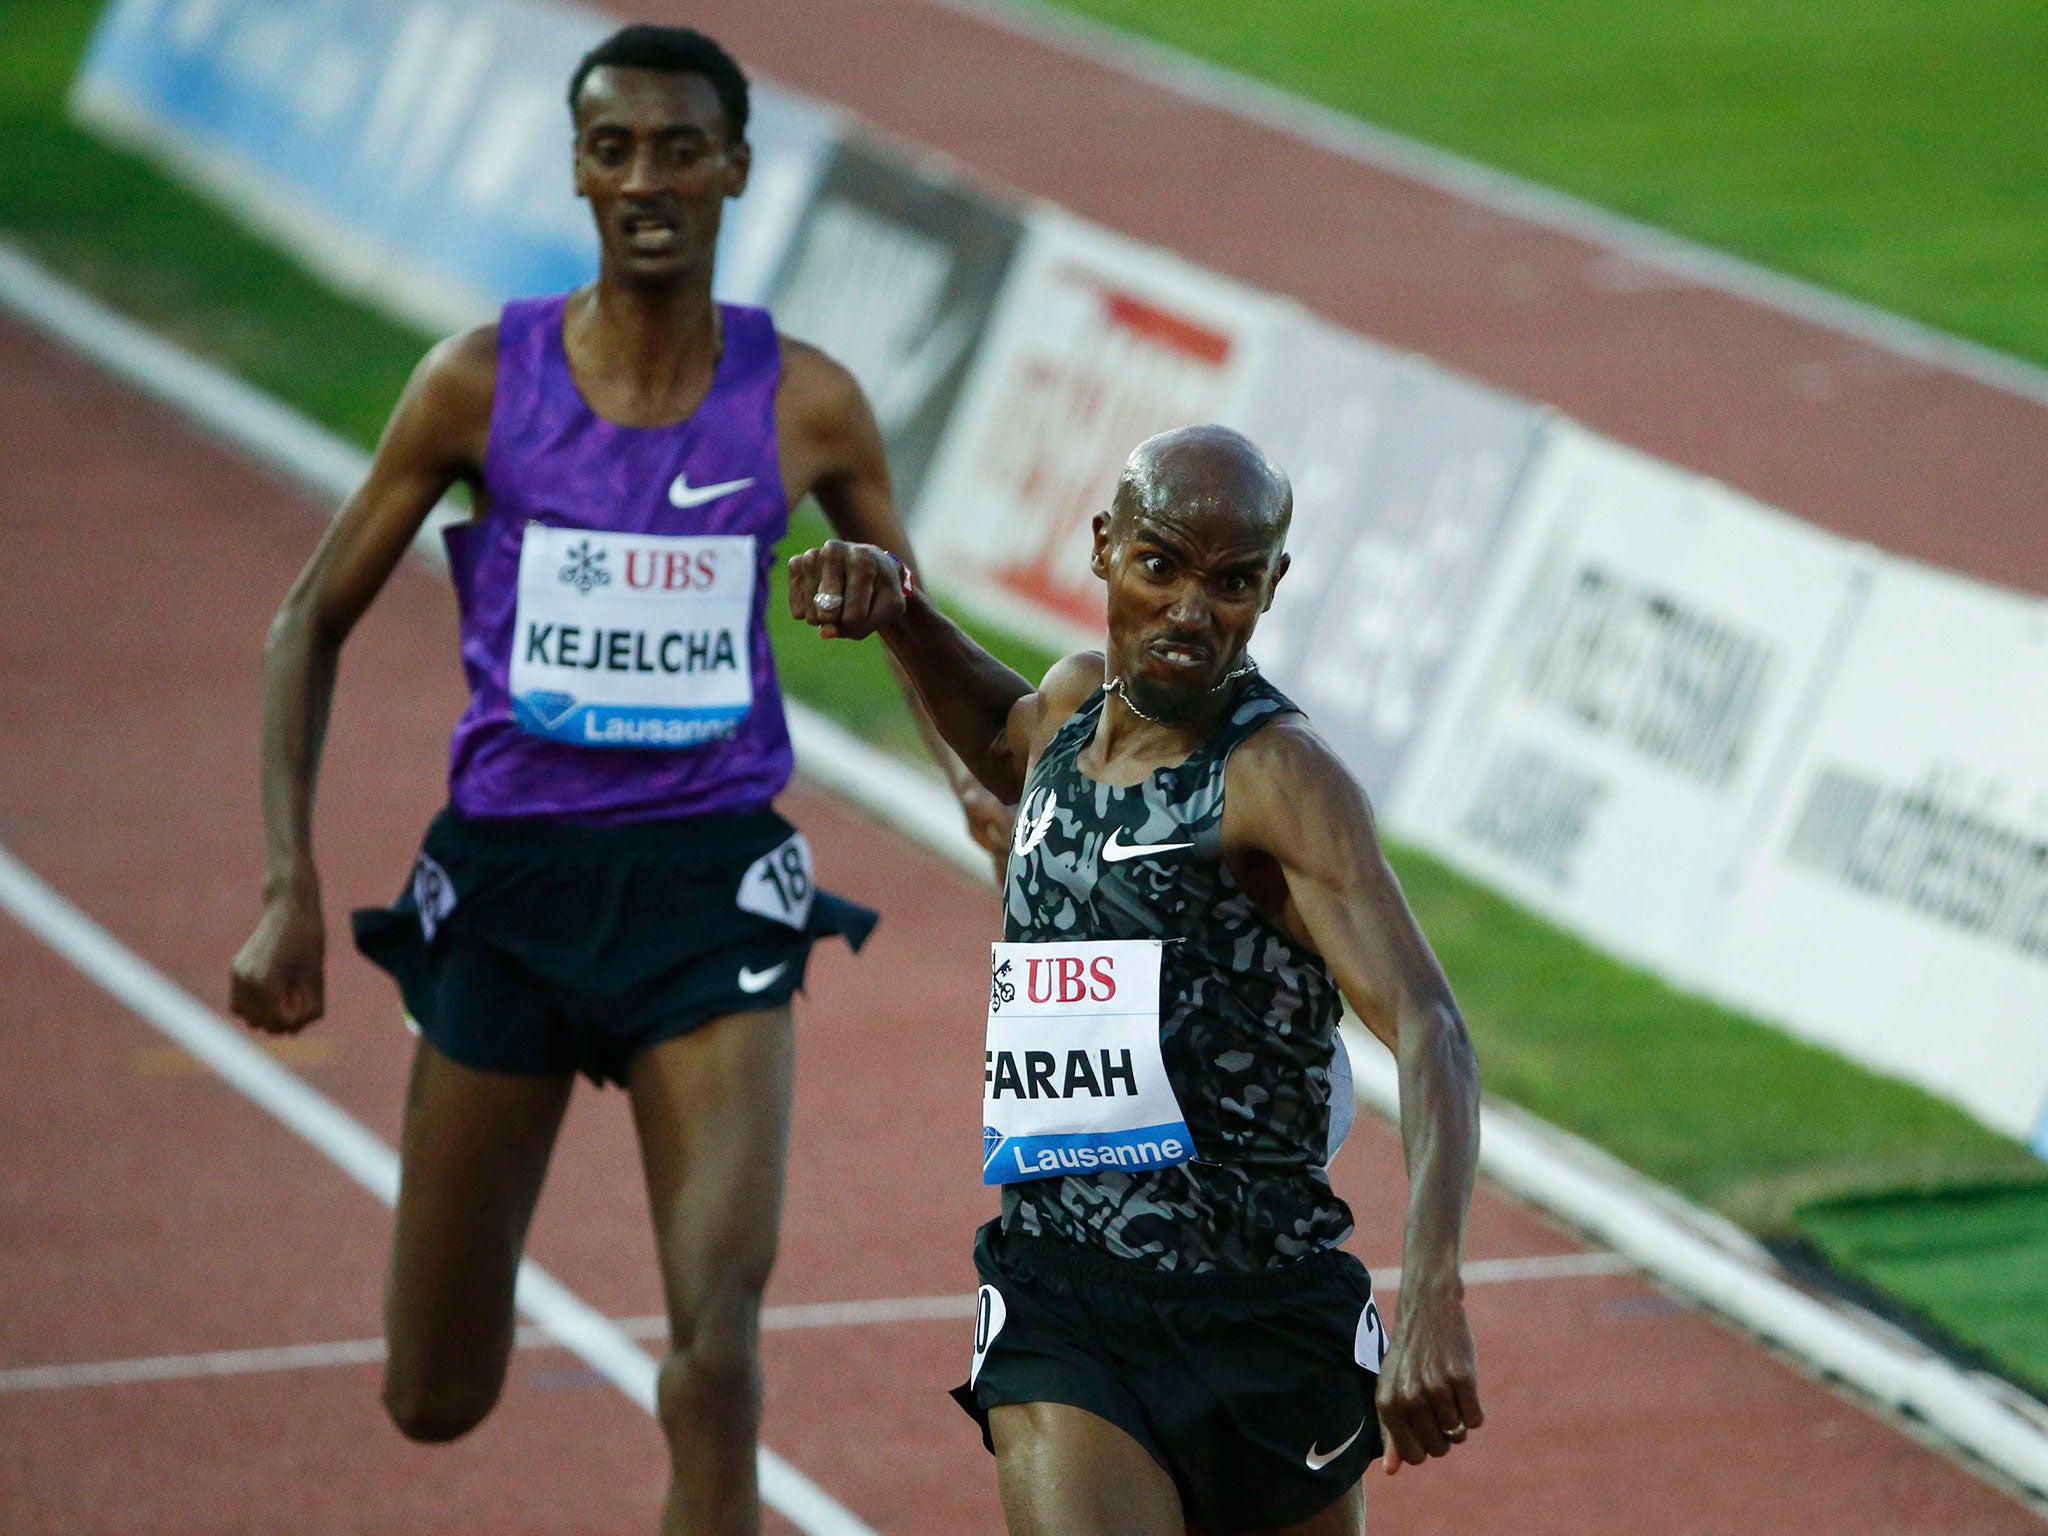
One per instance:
[(832, 449), (1294, 814), (987, 714), (435, 437)]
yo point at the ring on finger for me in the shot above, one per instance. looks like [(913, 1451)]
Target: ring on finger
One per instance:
[(829, 601)]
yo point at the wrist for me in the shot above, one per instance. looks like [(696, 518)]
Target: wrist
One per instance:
[(914, 604), (1426, 1283), (296, 884)]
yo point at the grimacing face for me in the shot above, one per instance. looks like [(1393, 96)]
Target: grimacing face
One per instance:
[(653, 162), (1187, 581)]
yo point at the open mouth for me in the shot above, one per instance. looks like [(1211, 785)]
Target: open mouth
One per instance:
[(650, 234), (1180, 658)]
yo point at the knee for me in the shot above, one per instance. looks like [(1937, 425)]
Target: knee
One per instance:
[(712, 1371), (436, 1415)]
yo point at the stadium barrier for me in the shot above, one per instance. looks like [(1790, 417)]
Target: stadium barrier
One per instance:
[(894, 270), (1096, 343), (415, 153), (1611, 728), (1404, 485), (1896, 906), (1692, 729)]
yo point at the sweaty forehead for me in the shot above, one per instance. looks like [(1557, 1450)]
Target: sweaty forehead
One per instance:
[(1208, 528), (649, 100)]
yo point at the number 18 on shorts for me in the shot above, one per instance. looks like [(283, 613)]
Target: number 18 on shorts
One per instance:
[(1073, 1080)]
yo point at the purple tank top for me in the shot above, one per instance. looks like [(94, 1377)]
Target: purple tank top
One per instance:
[(614, 594)]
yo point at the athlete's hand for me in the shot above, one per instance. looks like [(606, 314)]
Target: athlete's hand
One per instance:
[(1428, 1395), (277, 983), (989, 822), (847, 591)]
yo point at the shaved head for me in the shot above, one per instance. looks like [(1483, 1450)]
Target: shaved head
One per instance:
[(1191, 549), (1203, 471)]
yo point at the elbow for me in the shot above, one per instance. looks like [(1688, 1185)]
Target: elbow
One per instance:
[(299, 628), (1446, 1042)]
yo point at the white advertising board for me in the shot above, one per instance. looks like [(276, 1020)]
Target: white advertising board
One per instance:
[(1096, 344), (1404, 477), (1603, 746), (1896, 907)]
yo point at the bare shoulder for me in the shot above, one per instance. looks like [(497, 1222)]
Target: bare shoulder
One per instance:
[(1065, 687), (447, 406), (817, 392), (465, 365), (1069, 681), (1285, 786)]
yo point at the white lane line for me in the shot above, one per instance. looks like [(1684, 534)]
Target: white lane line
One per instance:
[(213, 1362), (812, 1314), (1542, 1266), (252, 1072), (1353, 138)]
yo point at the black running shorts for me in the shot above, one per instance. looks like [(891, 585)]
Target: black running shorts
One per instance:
[(547, 948), (1249, 1389)]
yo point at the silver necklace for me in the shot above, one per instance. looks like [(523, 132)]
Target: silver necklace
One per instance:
[(1116, 686)]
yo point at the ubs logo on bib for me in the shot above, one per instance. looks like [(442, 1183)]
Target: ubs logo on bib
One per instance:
[(585, 569)]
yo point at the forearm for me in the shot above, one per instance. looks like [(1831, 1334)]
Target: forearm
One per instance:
[(957, 773), (299, 667), (967, 694), (1440, 1137)]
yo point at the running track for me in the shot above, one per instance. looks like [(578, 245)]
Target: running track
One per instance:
[(148, 1211), (1860, 438)]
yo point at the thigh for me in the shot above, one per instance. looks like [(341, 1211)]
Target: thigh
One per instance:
[(1065, 1472), (475, 1150), (712, 1111)]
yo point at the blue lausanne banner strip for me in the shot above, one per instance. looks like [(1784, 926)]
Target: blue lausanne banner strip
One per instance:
[(1016, 1158)]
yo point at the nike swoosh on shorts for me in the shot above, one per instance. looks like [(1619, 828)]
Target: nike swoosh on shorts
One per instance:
[(683, 494), (1318, 1459), (760, 981), (1115, 852)]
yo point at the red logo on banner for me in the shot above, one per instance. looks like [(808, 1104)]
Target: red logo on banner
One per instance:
[(1070, 417)]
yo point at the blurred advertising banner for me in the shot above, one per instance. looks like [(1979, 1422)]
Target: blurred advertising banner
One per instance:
[(1404, 477), (414, 151), (1096, 344), (1896, 907), (1603, 747), (894, 271)]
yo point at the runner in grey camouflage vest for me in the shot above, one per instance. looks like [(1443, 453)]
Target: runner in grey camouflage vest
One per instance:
[(1248, 1026), (1168, 1336)]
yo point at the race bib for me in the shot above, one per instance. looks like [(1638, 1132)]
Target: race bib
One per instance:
[(632, 639), (778, 886), (1073, 1081)]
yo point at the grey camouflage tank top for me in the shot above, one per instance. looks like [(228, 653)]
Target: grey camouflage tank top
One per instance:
[(1248, 1017)]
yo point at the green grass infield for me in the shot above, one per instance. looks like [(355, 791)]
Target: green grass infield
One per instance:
[(1781, 1136), (1891, 151)]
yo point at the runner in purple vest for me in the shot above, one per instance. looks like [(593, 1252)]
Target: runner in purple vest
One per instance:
[(609, 890)]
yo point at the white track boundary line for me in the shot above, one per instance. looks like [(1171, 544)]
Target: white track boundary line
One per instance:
[(1551, 1170), (799, 1315), (1197, 79), (347, 1142)]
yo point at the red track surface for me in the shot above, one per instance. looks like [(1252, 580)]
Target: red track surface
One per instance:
[(148, 1210), (1912, 458)]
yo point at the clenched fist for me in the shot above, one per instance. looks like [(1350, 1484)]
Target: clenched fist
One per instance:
[(848, 591)]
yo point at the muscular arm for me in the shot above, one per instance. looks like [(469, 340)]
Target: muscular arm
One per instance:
[(832, 449), (434, 438), (1293, 815)]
